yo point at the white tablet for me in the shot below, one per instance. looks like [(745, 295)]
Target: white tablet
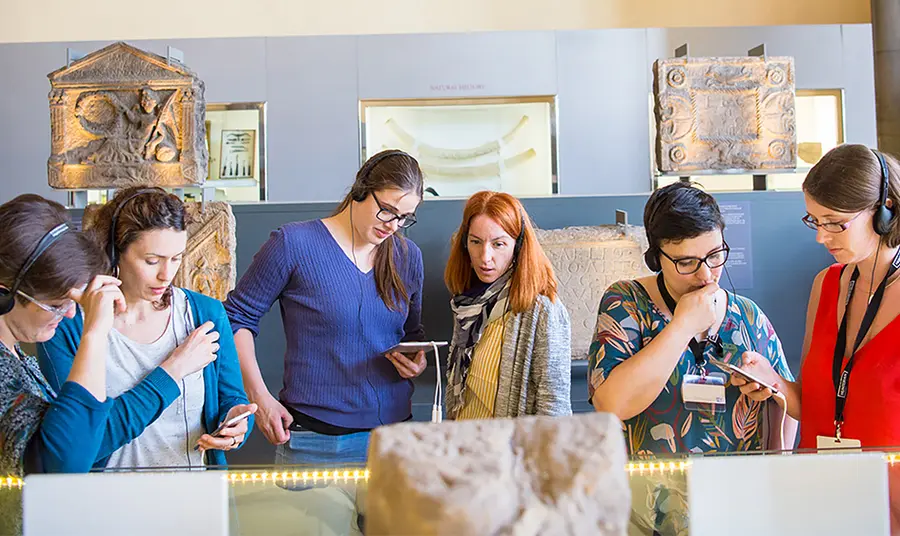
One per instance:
[(415, 347)]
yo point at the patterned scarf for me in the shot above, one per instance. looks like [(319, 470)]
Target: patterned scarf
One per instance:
[(472, 311)]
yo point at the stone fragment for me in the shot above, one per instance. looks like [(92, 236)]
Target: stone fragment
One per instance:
[(525, 476)]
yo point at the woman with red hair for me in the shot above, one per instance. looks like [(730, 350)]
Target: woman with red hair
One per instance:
[(511, 348)]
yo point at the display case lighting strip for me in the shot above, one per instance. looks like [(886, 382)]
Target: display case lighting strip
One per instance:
[(356, 475), (301, 476)]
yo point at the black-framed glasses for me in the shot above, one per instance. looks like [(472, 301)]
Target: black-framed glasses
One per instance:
[(405, 221), (689, 265), (831, 226)]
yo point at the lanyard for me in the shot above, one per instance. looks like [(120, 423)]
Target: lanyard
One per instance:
[(842, 378), (697, 348)]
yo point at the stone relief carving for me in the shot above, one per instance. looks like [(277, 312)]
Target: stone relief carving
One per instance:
[(209, 261), (121, 116), (587, 260), (209, 265), (725, 114)]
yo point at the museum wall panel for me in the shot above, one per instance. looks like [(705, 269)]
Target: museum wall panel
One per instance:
[(47, 20), (604, 112), (313, 117)]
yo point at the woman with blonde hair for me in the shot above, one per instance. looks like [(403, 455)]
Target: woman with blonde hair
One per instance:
[(511, 348)]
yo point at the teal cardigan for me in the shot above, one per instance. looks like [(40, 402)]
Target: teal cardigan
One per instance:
[(139, 407)]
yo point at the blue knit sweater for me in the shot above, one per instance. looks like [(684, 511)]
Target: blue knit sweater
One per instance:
[(336, 325), (139, 407)]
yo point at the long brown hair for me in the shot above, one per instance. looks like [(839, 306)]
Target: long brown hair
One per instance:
[(848, 179), (140, 209), (533, 274), (72, 261), (387, 170)]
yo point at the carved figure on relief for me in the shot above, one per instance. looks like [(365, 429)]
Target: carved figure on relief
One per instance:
[(125, 134)]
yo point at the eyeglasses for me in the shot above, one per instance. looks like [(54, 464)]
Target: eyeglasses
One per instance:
[(387, 215), (831, 227), (58, 312), (689, 265)]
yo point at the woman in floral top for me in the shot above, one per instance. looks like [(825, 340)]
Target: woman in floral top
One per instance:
[(641, 353)]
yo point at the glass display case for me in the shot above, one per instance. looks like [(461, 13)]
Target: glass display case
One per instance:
[(331, 500), (236, 138), (472, 144)]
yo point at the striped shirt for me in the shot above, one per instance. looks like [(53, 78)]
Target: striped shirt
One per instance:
[(484, 373)]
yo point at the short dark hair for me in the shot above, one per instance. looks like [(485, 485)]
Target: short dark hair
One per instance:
[(72, 261), (147, 211), (680, 211), (848, 179)]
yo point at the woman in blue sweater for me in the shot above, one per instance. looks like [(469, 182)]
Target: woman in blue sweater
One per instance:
[(349, 289), (45, 266), (173, 372)]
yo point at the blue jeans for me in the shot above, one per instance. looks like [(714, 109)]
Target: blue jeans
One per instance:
[(320, 451)]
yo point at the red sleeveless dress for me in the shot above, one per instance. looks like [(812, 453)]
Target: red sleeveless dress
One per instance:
[(872, 411)]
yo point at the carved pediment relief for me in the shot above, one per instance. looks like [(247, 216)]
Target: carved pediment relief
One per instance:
[(120, 64), (121, 116)]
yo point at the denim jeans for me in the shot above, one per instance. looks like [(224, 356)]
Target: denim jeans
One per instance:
[(320, 451)]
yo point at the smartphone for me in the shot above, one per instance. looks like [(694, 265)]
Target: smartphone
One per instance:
[(415, 347), (750, 378), (231, 422)]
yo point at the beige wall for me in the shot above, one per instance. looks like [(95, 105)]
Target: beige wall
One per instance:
[(66, 20)]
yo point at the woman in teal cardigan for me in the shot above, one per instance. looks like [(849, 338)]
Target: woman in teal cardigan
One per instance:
[(173, 372)]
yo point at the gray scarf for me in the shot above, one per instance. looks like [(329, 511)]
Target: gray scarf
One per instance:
[(471, 313)]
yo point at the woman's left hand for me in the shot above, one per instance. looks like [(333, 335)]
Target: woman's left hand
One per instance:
[(406, 367), (232, 436)]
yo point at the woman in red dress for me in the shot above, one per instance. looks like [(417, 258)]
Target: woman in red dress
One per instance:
[(849, 386)]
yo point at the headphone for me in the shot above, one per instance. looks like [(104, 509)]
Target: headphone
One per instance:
[(8, 296), (651, 256), (111, 245), (519, 240), (359, 191), (884, 215)]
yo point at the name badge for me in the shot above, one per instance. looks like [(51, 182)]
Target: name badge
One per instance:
[(704, 392), (831, 443)]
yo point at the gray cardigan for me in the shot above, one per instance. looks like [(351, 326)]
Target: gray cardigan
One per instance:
[(536, 362)]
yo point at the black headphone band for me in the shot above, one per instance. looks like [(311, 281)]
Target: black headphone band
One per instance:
[(359, 189), (43, 245), (517, 247), (111, 245), (883, 193)]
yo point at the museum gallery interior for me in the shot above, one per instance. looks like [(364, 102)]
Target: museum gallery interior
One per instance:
[(450, 268)]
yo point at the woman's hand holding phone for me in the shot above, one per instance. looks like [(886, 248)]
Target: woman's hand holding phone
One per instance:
[(759, 367), (229, 436)]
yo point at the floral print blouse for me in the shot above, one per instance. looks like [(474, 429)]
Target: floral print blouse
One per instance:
[(628, 320)]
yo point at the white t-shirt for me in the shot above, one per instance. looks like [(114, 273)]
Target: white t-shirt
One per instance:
[(169, 441)]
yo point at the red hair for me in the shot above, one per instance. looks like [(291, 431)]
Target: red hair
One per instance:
[(533, 273)]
